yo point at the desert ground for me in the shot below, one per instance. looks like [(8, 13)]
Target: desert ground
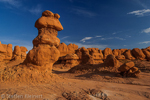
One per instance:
[(64, 85)]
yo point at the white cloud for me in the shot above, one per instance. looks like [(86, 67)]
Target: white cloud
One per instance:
[(64, 37), (146, 30), (81, 11), (86, 38), (144, 42), (98, 36), (125, 45), (143, 12), (36, 10), (112, 38), (119, 38), (114, 33), (15, 3), (88, 45)]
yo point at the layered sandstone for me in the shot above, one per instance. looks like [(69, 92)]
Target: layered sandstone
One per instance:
[(70, 60), (44, 53)]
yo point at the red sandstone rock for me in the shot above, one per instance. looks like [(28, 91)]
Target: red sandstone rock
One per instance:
[(126, 66), (63, 49), (17, 53), (120, 57), (128, 55), (106, 52), (2, 52), (138, 54), (147, 54), (123, 51), (115, 52), (111, 61), (44, 53), (72, 48), (23, 52)]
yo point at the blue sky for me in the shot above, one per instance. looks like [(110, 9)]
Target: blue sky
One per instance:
[(89, 23)]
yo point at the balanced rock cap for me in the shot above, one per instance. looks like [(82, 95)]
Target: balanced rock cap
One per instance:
[(49, 20)]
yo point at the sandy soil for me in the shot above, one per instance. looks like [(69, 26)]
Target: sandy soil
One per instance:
[(81, 86)]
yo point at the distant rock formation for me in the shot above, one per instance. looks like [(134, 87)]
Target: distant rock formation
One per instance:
[(70, 60), (44, 53), (111, 61), (64, 49), (106, 52), (2, 52), (138, 53)]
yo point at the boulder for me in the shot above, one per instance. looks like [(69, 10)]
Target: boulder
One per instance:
[(111, 61), (138, 53), (126, 66), (128, 55), (147, 54), (106, 52)]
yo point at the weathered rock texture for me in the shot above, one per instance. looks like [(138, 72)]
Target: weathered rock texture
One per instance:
[(70, 60), (111, 61), (106, 52), (138, 53), (128, 55), (44, 53), (128, 70), (64, 49), (96, 56), (17, 53), (23, 52), (2, 52)]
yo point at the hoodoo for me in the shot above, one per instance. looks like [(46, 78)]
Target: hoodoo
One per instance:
[(45, 53)]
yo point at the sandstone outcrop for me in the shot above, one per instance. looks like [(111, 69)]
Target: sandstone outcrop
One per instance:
[(115, 52), (44, 53), (2, 52), (128, 70), (120, 57), (63, 49), (8, 49), (128, 55), (17, 53), (106, 52), (138, 53), (96, 56), (111, 61), (72, 48), (83, 55), (70, 60), (147, 54), (23, 52)]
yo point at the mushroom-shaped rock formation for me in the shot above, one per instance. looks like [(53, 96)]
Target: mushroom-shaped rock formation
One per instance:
[(44, 53)]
